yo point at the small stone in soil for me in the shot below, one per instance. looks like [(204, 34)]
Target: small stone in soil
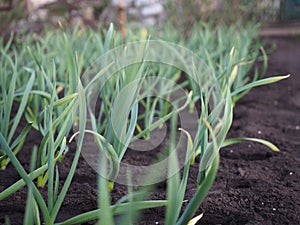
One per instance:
[(241, 171)]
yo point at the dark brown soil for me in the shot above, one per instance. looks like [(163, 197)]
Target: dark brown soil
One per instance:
[(254, 185)]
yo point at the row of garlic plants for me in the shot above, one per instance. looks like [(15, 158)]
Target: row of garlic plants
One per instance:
[(60, 84)]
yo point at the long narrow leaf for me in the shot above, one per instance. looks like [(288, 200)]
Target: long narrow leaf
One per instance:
[(259, 83), (116, 209), (22, 106), (26, 178), (231, 141)]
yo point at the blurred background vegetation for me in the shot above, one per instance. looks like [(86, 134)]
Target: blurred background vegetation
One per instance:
[(18, 15)]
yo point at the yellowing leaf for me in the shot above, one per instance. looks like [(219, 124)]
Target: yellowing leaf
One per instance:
[(195, 220), (190, 144), (233, 74), (231, 141)]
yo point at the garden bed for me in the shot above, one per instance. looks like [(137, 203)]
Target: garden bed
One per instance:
[(253, 186)]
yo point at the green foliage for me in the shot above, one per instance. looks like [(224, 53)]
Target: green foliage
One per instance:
[(46, 78)]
